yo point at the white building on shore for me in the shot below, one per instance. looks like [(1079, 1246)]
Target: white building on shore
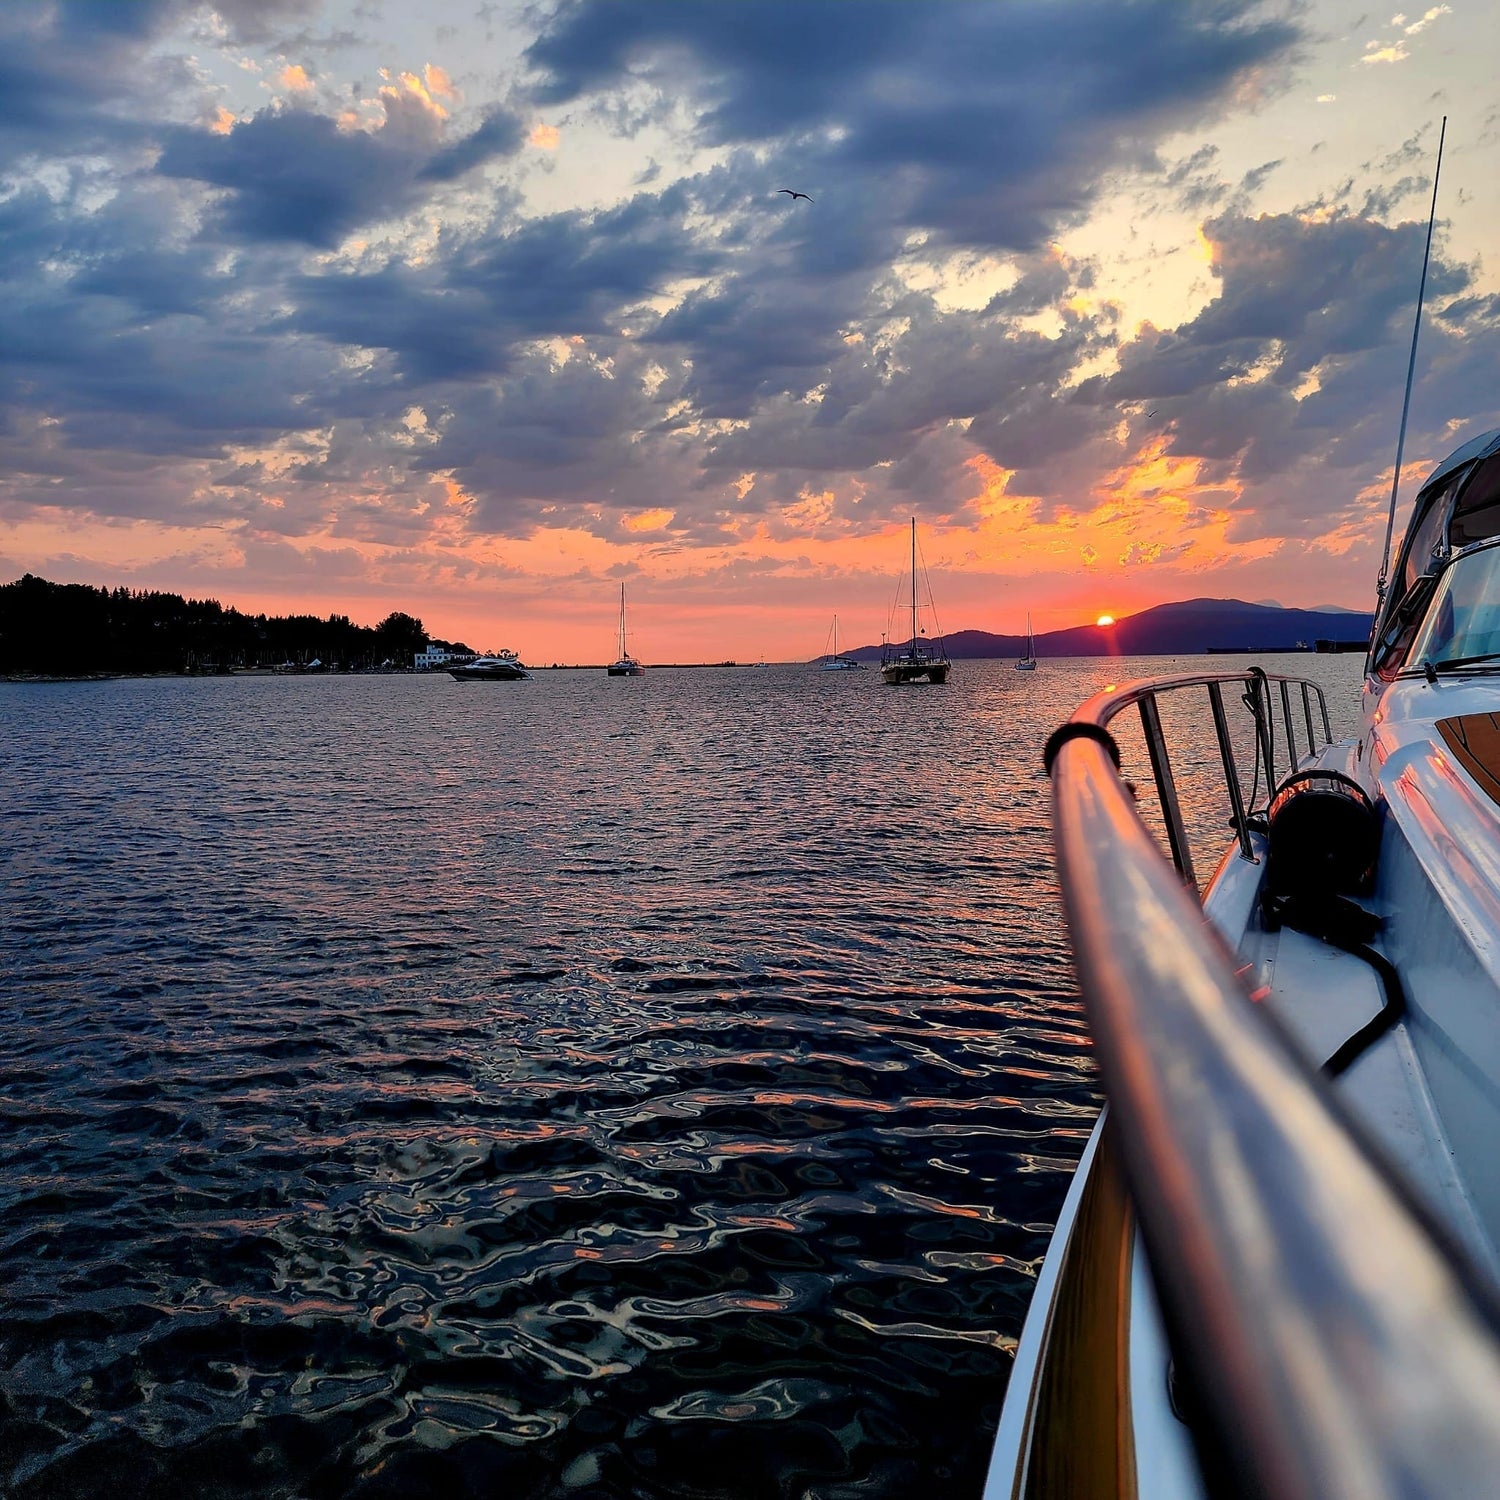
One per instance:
[(435, 657)]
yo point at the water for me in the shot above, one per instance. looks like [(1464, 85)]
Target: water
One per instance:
[(632, 1087)]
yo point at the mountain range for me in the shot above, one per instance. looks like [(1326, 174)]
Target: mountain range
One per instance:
[(1188, 628)]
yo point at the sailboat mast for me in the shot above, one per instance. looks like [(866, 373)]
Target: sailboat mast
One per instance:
[(622, 622), (914, 586), (835, 637), (1411, 369)]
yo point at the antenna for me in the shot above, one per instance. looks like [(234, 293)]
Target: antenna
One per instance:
[(1411, 366)]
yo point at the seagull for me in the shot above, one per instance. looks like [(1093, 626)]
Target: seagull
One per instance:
[(795, 196), (1153, 411)]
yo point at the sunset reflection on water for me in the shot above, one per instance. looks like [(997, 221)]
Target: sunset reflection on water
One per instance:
[(420, 1087)]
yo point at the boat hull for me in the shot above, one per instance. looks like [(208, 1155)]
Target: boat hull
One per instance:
[(488, 674), (626, 669), (1028, 665)]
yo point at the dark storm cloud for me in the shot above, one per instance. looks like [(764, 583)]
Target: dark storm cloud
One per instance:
[(984, 125), (293, 174)]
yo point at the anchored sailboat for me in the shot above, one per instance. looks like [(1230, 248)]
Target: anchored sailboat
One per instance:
[(626, 665), (833, 662), (921, 658), (1028, 662)]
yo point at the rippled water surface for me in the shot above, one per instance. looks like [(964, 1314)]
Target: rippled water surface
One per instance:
[(587, 1086)]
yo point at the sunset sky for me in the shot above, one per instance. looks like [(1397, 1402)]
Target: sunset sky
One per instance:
[(477, 309)]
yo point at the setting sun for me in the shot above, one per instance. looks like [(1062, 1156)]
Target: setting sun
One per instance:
[(1105, 620)]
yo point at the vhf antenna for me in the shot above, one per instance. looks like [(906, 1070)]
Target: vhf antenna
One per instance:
[(1411, 367)]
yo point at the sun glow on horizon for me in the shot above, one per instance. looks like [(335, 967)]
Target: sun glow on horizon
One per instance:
[(1104, 620)]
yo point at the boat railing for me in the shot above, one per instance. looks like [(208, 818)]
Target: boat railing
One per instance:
[(1328, 1339), (1287, 723)]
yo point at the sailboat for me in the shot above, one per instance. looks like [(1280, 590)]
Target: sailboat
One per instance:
[(920, 658), (836, 663), (1028, 662), (626, 665)]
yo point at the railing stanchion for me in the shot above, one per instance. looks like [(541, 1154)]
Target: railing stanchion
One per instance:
[(1323, 709), (1307, 715), (1231, 771), (1291, 737), (1166, 790), (1265, 737)]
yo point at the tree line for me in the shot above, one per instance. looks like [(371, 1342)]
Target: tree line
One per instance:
[(71, 629)]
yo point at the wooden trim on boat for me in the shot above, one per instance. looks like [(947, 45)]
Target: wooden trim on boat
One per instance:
[(1081, 1444)]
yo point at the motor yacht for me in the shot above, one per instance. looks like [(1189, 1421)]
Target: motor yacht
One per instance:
[(504, 666), (1276, 1271)]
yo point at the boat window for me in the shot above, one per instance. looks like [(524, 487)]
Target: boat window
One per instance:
[(1399, 626), (1464, 620), (1476, 517), (1430, 533)]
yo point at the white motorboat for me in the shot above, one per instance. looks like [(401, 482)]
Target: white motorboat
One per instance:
[(625, 665), (1028, 662), (503, 666), (922, 658), (1277, 1271), (833, 662)]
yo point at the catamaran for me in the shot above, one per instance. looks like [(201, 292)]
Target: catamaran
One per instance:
[(626, 665), (833, 662), (1028, 662), (922, 658)]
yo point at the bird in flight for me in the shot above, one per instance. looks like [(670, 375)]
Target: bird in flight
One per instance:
[(795, 196), (1153, 411)]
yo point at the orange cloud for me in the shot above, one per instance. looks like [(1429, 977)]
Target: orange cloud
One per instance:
[(648, 520)]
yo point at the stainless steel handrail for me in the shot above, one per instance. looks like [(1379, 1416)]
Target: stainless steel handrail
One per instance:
[(1331, 1343)]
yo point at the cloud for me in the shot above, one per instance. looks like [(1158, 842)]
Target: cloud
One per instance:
[(1037, 100), (78, 76), (1423, 21), (1290, 379), (202, 323), (293, 174)]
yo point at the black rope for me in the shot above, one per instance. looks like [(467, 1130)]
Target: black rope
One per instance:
[(1347, 926), (1076, 730)]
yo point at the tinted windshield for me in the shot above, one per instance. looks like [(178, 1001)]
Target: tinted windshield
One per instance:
[(1463, 619)]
